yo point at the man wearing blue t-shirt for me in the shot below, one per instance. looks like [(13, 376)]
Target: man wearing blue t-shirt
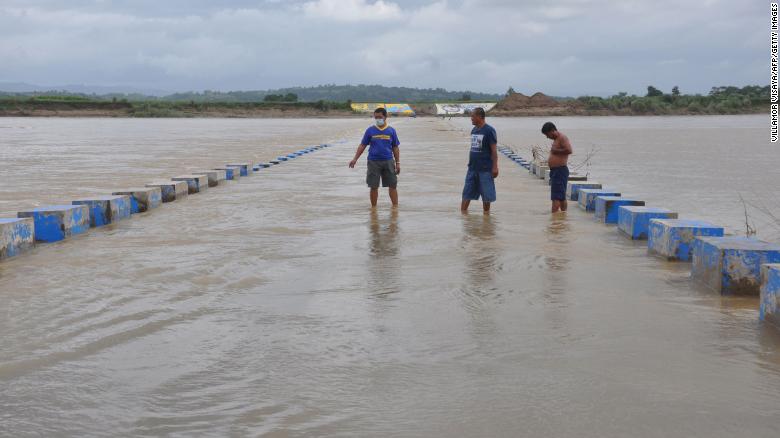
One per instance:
[(384, 158), (483, 163)]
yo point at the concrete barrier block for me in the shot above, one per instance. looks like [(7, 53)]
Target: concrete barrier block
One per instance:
[(57, 222), (606, 209), (264, 165), (673, 238), (577, 177), (142, 199), (195, 183), (16, 236), (573, 189), (731, 265), (104, 210), (246, 168), (546, 174), (635, 221), (769, 310), (540, 171), (282, 158), (587, 197), (231, 173), (215, 176), (171, 190)]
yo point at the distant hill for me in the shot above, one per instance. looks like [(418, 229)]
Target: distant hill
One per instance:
[(328, 93), (340, 93), (77, 89)]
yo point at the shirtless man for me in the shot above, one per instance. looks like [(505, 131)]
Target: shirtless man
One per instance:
[(558, 161)]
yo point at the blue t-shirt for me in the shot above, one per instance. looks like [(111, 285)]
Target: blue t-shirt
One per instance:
[(481, 140), (381, 142)]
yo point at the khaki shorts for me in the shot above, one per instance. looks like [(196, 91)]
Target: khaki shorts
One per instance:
[(384, 170)]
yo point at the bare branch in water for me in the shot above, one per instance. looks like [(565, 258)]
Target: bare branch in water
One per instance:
[(585, 162), (750, 229), (769, 213)]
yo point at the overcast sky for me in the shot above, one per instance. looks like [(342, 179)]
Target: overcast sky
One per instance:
[(569, 47)]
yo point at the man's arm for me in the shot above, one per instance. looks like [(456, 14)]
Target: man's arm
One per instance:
[(494, 157), (358, 153), (397, 155)]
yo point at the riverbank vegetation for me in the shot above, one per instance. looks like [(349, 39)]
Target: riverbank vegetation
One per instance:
[(68, 105), (720, 100)]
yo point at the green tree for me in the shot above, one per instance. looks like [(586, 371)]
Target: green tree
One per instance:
[(466, 97), (675, 91), (510, 91), (653, 92)]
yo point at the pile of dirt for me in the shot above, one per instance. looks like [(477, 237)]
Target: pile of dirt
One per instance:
[(519, 101)]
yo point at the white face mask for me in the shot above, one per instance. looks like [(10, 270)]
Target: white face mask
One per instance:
[(380, 122)]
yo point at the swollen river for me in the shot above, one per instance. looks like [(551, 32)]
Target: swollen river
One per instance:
[(281, 305)]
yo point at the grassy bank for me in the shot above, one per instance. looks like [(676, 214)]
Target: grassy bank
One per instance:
[(73, 106), (721, 100)]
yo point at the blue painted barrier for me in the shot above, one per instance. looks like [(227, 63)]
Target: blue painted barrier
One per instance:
[(104, 210), (770, 294), (57, 222), (587, 197), (195, 183), (606, 209), (142, 199), (673, 238), (274, 162), (732, 265), (573, 189), (635, 221), (16, 236), (281, 159), (246, 168), (264, 165), (231, 173), (171, 190)]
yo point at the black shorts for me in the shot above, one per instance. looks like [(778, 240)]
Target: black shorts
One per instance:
[(383, 170), (559, 178)]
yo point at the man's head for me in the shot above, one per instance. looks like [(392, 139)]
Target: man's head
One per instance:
[(549, 130), (478, 116), (380, 117)]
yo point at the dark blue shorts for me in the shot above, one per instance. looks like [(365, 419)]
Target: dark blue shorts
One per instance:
[(479, 183), (559, 177)]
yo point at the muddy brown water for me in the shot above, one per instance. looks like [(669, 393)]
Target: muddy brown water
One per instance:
[(279, 305)]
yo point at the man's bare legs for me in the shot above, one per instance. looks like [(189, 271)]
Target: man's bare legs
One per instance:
[(464, 206), (374, 195), (559, 206), (393, 196)]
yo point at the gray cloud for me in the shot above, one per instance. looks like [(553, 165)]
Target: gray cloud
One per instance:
[(572, 47)]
